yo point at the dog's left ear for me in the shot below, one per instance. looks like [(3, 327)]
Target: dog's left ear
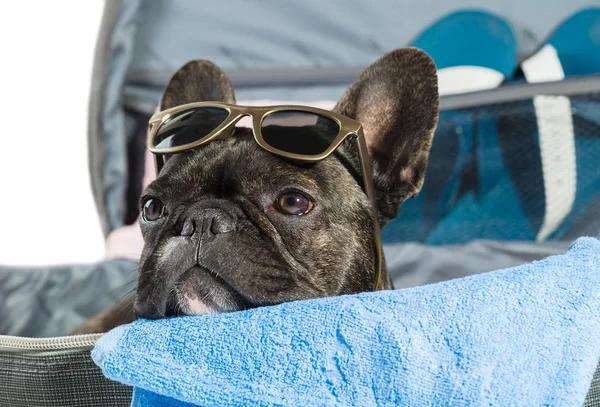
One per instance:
[(396, 100), (197, 81)]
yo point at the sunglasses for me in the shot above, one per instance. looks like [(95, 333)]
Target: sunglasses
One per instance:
[(298, 133)]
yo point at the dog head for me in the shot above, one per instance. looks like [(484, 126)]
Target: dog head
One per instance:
[(221, 223)]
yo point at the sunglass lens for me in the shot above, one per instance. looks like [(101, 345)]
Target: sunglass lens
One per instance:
[(189, 126), (299, 132)]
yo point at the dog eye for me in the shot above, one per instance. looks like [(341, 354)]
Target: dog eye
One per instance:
[(153, 209), (293, 203)]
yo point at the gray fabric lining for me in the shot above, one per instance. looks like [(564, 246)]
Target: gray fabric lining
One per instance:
[(241, 34), (52, 301), (107, 124), (57, 379), (113, 117), (414, 264), (96, 138)]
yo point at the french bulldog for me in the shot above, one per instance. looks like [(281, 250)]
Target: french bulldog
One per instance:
[(216, 239)]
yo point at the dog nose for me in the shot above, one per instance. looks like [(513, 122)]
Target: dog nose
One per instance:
[(207, 221)]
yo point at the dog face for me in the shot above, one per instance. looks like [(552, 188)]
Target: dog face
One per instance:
[(229, 226)]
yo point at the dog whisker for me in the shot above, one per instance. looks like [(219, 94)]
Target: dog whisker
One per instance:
[(114, 290), (123, 308)]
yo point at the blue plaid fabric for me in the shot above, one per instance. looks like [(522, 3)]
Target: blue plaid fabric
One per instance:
[(489, 178)]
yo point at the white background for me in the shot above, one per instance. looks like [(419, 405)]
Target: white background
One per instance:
[(47, 214)]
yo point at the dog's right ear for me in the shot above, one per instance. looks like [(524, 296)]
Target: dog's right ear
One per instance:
[(197, 81), (396, 100)]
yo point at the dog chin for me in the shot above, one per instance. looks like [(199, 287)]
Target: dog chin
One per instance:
[(195, 306)]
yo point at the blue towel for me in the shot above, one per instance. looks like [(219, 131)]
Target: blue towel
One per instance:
[(526, 336)]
